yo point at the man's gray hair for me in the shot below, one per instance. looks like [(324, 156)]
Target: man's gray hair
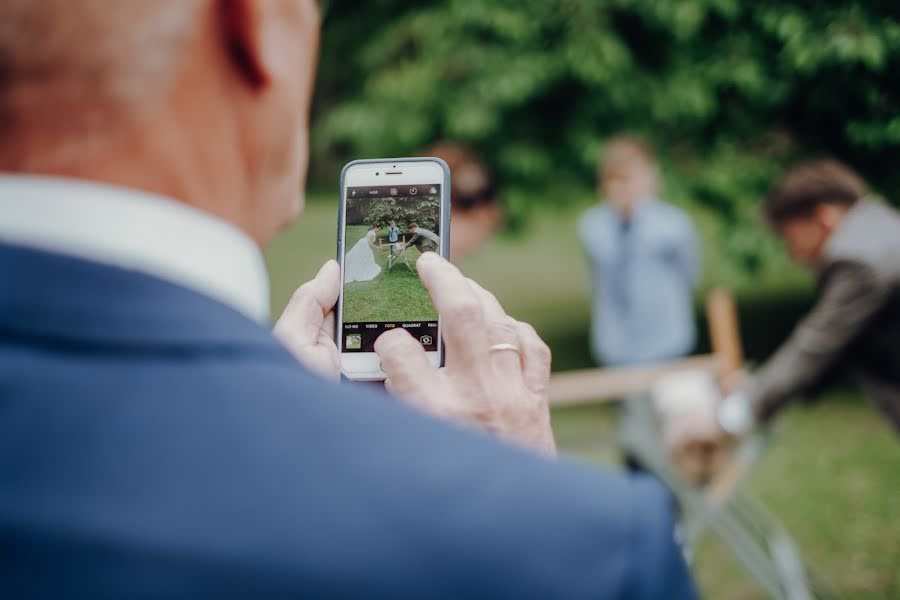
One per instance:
[(74, 65)]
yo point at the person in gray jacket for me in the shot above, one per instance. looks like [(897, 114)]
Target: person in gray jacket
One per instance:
[(850, 239), (830, 223), (423, 239)]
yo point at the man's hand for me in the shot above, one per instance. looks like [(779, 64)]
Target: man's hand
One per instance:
[(306, 326), (734, 382), (500, 390)]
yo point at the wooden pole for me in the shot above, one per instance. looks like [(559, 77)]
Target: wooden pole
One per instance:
[(603, 385), (724, 331), (590, 386)]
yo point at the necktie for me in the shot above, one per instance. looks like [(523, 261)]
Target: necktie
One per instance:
[(622, 267)]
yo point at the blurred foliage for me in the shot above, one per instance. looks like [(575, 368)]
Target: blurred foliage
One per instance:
[(728, 91), (423, 210)]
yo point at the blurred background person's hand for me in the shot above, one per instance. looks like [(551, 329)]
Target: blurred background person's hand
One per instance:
[(734, 382), (687, 402)]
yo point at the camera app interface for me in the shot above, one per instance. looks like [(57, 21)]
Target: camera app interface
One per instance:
[(387, 229)]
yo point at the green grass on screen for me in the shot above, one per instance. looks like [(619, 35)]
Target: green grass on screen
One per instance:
[(394, 295)]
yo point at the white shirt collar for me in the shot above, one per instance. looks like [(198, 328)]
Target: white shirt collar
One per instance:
[(139, 231)]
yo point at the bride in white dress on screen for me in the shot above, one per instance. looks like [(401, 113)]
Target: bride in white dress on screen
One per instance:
[(359, 264)]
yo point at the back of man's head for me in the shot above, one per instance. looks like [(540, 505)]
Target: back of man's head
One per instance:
[(811, 184), (808, 205), (74, 72), (203, 101)]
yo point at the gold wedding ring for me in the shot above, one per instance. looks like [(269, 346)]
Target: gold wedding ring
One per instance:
[(499, 347)]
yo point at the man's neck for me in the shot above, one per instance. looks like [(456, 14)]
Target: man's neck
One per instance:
[(153, 154)]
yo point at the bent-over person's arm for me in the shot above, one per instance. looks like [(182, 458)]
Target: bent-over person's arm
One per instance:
[(851, 296)]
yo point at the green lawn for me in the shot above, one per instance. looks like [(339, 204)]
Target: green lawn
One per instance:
[(833, 471), (395, 295), (832, 475)]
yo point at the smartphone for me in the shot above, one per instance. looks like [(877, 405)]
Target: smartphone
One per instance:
[(391, 212)]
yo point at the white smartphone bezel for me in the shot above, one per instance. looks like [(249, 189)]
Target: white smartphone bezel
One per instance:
[(366, 366)]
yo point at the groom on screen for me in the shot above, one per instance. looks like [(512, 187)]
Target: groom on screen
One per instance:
[(423, 239)]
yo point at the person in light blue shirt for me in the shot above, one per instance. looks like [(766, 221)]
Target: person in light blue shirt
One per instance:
[(393, 232), (644, 263)]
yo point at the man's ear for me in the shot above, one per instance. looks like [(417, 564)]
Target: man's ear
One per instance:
[(243, 36)]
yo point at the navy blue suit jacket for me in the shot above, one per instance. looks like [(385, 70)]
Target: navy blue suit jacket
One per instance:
[(156, 444)]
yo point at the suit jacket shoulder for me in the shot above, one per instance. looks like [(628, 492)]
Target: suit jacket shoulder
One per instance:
[(154, 443)]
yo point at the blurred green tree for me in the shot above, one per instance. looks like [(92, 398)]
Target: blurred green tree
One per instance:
[(728, 91), (423, 210)]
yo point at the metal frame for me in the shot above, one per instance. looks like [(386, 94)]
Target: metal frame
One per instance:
[(724, 507)]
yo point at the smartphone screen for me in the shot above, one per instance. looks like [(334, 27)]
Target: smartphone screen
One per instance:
[(392, 212)]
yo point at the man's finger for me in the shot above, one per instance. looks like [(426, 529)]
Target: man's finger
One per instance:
[(321, 357), (463, 325), (329, 324), (501, 329), (305, 314), (536, 358), (325, 287), (328, 286), (404, 361)]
